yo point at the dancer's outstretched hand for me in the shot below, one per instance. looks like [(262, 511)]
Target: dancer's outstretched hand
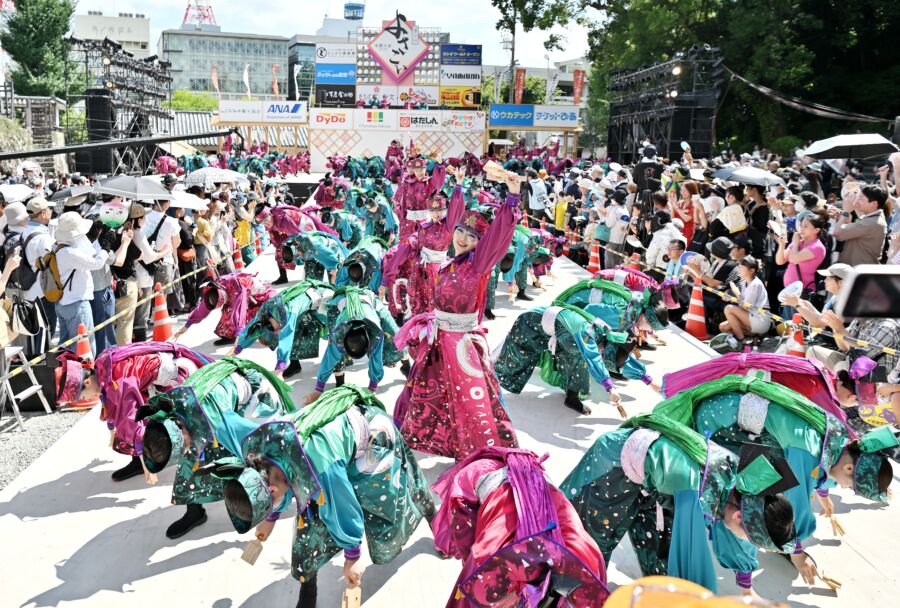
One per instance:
[(311, 397), (353, 571), (264, 529)]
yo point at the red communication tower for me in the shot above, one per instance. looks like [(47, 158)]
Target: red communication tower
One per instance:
[(199, 12)]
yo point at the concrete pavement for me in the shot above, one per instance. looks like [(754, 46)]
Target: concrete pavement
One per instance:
[(71, 537)]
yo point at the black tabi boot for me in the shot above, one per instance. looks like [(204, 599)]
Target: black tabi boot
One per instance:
[(222, 341), (292, 369), (139, 335), (282, 277), (524, 296), (195, 516), (339, 380), (132, 469), (489, 314), (308, 592), (574, 402), (404, 368)]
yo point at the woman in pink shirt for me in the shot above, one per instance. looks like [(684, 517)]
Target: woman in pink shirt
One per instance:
[(805, 253)]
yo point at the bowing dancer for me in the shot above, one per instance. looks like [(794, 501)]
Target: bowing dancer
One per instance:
[(320, 253), (282, 222), (238, 294), (451, 403), (359, 326), (353, 477), (416, 189), (291, 324), (567, 344), (815, 444), (423, 256), (520, 540), (181, 428), (663, 484), (124, 378), (362, 266)]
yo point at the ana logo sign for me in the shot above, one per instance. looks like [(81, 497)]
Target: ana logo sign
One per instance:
[(328, 118), (285, 108)]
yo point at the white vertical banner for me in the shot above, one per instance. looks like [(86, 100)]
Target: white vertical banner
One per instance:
[(296, 82), (552, 81), (247, 80)]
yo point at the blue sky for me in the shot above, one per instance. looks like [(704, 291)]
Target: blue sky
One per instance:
[(284, 19)]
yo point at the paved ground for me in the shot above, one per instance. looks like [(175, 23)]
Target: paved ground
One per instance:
[(73, 538)]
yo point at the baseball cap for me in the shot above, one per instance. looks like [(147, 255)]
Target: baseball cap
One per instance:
[(37, 204), (839, 271), (742, 242)]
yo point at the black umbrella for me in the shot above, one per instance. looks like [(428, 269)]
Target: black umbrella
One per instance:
[(135, 188), (855, 145), (67, 193)]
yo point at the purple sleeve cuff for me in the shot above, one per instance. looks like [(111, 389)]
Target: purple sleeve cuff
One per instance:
[(607, 384), (744, 580), (798, 548), (280, 366), (138, 448), (512, 200), (373, 385), (647, 379), (822, 493), (110, 425), (273, 516), (238, 350), (352, 555), (320, 386)]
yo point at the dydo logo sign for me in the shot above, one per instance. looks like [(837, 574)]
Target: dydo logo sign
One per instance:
[(330, 119)]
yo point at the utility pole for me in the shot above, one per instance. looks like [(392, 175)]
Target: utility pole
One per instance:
[(512, 57)]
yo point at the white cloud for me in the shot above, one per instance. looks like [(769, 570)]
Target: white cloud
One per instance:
[(468, 21)]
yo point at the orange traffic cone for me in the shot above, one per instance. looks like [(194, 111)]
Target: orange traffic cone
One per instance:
[(543, 224), (635, 261), (796, 346), (524, 221), (696, 316), (83, 346), (574, 237), (594, 261), (256, 243), (162, 324), (238, 261)]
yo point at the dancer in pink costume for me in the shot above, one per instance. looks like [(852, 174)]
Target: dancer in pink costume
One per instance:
[(451, 403), (411, 198)]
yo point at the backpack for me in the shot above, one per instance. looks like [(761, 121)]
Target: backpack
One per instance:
[(48, 271), (24, 276)]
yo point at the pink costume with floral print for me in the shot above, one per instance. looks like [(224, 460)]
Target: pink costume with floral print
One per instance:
[(451, 403), (411, 198)]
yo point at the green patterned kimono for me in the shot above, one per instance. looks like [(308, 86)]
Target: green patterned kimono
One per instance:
[(229, 385), (617, 305), (646, 480)]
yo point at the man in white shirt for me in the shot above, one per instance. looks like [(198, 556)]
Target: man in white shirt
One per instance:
[(162, 231), (76, 258)]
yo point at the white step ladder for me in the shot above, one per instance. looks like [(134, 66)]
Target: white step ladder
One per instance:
[(10, 354)]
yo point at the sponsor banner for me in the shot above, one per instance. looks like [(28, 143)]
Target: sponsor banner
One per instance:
[(462, 121), (520, 84), (369, 92), (398, 48), (328, 118), (290, 111), (240, 111), (335, 95), (327, 52), (511, 115), (419, 95), (460, 76), (461, 54), (461, 97), (556, 116), (375, 120), (577, 85), (335, 73), (419, 120)]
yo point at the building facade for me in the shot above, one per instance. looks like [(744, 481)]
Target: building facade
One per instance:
[(193, 53), (131, 30)]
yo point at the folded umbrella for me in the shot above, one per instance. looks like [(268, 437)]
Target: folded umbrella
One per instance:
[(750, 176)]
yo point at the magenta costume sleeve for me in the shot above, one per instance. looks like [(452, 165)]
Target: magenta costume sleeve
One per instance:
[(400, 253), (438, 177), (494, 244), (199, 313), (455, 209)]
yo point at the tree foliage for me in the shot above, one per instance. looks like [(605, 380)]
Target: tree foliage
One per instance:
[(34, 38), (190, 100), (534, 91), (834, 52), (536, 15)]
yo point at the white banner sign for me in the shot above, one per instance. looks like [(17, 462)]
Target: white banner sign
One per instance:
[(284, 111), (556, 116), (240, 111), (461, 75), (419, 120), (329, 52), (331, 118), (462, 121), (375, 120), (425, 95)]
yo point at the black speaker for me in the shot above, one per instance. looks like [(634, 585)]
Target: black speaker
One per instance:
[(100, 117)]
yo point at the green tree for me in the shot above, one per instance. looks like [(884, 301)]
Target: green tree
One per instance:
[(534, 91), (595, 117), (189, 100), (34, 38)]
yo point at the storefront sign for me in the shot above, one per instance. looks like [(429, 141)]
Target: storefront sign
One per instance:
[(460, 76), (419, 120), (375, 120), (398, 48), (556, 116), (462, 121), (461, 97), (240, 111), (375, 94), (461, 54), (327, 52), (335, 95), (324, 118), (336, 73), (292, 111), (511, 115)]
